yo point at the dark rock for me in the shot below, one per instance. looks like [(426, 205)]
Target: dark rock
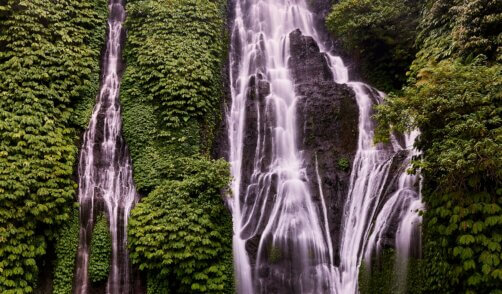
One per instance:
[(328, 116), (307, 64)]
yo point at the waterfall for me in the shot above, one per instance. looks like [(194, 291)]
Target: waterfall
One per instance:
[(273, 206), (105, 171), (402, 205), (275, 217), (369, 174)]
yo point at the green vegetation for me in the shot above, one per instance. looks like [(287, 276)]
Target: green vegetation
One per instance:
[(453, 96), (180, 233), (66, 251), (100, 251), (343, 164), (387, 274), (380, 35), (457, 108), (456, 103), (156, 284), (379, 276), (274, 254), (180, 230), (49, 54)]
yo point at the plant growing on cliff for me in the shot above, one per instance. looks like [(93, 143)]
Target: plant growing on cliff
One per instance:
[(170, 94), (343, 164), (274, 254), (66, 250), (457, 108), (453, 97), (380, 34), (178, 67), (100, 251), (49, 55), (177, 231)]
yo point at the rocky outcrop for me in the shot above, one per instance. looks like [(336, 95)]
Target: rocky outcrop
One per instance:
[(328, 117)]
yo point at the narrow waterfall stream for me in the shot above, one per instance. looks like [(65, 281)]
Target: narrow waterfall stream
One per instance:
[(369, 175), (403, 205), (105, 171), (279, 231)]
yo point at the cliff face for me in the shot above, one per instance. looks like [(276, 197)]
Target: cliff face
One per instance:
[(327, 120), (328, 117)]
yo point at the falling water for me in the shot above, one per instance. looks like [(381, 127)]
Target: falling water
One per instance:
[(275, 205), (369, 174), (272, 203), (404, 206), (105, 172)]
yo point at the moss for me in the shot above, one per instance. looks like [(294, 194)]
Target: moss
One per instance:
[(274, 254), (100, 251), (343, 164), (386, 274)]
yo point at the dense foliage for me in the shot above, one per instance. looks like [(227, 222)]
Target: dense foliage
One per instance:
[(49, 54), (454, 96), (457, 108), (100, 250), (459, 29), (183, 78), (180, 232), (66, 251), (380, 35)]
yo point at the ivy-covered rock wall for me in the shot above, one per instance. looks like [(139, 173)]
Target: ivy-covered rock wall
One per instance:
[(49, 76), (180, 233), (66, 246)]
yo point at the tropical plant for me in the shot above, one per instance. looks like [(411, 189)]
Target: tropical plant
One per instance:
[(100, 250), (380, 35)]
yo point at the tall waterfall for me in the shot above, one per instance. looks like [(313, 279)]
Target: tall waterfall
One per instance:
[(274, 205), (274, 214), (105, 172)]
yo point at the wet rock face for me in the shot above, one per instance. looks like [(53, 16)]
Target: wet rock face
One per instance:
[(307, 64), (328, 117)]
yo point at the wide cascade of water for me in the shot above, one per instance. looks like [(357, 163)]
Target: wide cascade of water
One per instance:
[(274, 214), (274, 205), (105, 171)]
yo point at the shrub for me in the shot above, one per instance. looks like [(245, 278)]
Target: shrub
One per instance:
[(100, 250), (180, 231), (380, 34)]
